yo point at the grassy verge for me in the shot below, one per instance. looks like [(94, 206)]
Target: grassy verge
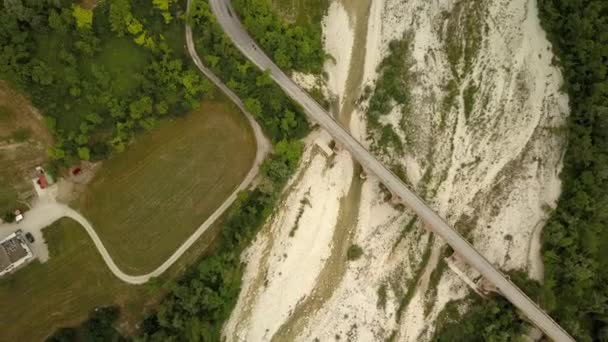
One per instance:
[(146, 201)]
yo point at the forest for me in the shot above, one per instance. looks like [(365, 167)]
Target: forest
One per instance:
[(99, 76), (292, 46), (575, 239)]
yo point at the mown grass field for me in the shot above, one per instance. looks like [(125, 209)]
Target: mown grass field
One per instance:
[(146, 201), (40, 298), (64, 289)]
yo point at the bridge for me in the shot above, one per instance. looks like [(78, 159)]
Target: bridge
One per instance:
[(231, 25)]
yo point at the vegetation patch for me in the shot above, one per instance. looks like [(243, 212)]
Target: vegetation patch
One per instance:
[(408, 228), (391, 90), (99, 326), (354, 252), (411, 284), (146, 201), (431, 292), (381, 292), (468, 99), (575, 240), (303, 203), (292, 46), (463, 35), (487, 320), (99, 75)]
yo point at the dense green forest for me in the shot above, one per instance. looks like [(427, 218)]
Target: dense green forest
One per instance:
[(98, 75), (575, 239), (278, 115), (292, 46)]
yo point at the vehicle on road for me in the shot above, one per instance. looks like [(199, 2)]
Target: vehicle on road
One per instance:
[(29, 237)]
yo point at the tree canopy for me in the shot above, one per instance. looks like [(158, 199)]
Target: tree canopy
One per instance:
[(575, 240)]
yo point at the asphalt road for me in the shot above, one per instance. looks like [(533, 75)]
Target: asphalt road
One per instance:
[(227, 18)]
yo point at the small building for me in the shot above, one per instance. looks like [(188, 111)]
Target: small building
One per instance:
[(14, 252), (18, 216), (42, 181)]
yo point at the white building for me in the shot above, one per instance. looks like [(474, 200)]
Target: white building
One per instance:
[(14, 252)]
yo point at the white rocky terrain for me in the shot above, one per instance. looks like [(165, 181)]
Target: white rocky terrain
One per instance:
[(482, 143)]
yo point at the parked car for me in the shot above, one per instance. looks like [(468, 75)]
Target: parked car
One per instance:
[(29, 237)]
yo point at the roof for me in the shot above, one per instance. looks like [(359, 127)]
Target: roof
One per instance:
[(13, 252), (13, 248), (42, 181), (4, 259)]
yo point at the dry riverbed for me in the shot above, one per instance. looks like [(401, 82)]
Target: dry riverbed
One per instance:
[(482, 143)]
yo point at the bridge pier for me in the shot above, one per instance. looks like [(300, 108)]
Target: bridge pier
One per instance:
[(475, 281)]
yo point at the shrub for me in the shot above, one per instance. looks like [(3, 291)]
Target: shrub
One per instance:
[(354, 252)]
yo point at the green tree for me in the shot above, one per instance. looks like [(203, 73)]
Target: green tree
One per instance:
[(354, 252), (84, 153), (120, 16), (83, 17)]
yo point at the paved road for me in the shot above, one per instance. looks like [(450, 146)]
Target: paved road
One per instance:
[(232, 27)]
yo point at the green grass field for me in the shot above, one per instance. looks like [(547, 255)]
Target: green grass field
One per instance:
[(40, 298), (146, 201)]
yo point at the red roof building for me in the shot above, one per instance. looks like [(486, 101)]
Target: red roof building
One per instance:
[(43, 182)]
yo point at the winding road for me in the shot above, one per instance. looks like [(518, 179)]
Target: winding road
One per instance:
[(48, 210), (231, 25)]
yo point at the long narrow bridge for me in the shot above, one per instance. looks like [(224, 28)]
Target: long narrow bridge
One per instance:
[(231, 25)]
